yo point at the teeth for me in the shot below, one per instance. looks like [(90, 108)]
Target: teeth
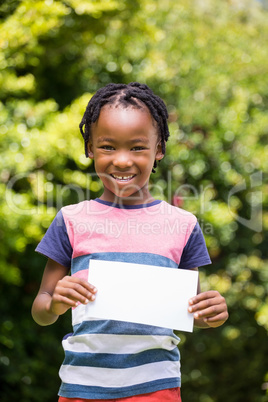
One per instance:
[(122, 177)]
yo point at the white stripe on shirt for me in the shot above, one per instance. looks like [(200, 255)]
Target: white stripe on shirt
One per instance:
[(123, 344), (94, 376)]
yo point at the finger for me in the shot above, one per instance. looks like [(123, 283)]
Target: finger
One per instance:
[(87, 290), (65, 300), (77, 288), (82, 282), (208, 312), (210, 294), (218, 317), (88, 285), (76, 292), (206, 304), (216, 321), (80, 294)]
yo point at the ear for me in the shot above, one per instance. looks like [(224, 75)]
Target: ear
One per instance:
[(90, 150), (159, 153)]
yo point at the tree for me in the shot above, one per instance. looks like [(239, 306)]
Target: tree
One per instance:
[(208, 62)]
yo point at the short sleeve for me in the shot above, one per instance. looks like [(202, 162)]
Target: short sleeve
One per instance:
[(195, 253), (55, 243)]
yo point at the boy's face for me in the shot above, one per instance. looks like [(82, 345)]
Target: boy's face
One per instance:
[(124, 144)]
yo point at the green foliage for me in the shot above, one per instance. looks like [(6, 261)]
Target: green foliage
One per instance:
[(208, 60)]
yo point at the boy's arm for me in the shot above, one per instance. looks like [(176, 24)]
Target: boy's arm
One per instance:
[(59, 292), (209, 308)]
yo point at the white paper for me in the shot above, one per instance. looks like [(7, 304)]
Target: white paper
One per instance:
[(143, 294)]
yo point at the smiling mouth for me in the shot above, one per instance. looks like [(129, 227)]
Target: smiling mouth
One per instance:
[(123, 178)]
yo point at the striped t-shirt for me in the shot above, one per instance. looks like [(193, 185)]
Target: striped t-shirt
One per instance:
[(107, 359)]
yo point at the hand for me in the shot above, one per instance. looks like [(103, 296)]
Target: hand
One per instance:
[(209, 307), (69, 292)]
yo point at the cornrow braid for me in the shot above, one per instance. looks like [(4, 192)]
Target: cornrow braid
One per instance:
[(134, 94)]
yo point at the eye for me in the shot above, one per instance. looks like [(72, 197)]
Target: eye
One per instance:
[(139, 148), (107, 147)]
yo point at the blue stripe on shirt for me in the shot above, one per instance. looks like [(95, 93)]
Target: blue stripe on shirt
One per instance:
[(82, 262), (119, 361), (120, 328), (82, 391)]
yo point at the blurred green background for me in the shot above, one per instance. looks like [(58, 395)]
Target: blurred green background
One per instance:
[(208, 60)]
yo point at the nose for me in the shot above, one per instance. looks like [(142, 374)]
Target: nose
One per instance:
[(122, 159)]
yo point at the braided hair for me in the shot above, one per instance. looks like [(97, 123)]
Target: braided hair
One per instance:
[(134, 94)]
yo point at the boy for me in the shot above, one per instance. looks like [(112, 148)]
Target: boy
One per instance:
[(125, 131)]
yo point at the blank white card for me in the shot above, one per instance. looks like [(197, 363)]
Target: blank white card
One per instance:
[(142, 294)]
